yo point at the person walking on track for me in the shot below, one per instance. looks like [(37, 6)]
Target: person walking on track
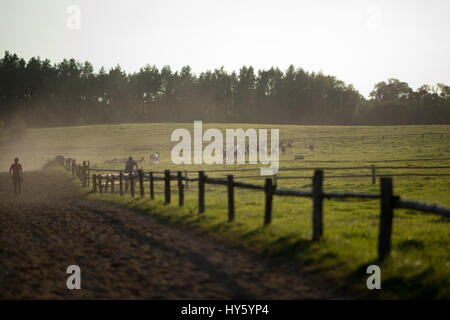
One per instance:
[(16, 173)]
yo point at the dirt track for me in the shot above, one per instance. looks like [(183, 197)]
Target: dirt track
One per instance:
[(123, 254)]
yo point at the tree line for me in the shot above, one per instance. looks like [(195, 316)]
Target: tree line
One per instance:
[(41, 93)]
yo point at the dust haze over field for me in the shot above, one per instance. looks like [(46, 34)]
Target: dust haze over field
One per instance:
[(30, 154), (38, 146)]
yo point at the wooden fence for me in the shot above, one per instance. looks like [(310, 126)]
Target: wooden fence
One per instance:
[(439, 135), (388, 201), (373, 172)]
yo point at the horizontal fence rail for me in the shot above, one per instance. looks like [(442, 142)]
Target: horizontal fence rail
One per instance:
[(127, 182), (430, 208), (355, 176), (439, 135), (364, 161)]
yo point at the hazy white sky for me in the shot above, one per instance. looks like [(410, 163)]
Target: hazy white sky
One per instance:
[(360, 42)]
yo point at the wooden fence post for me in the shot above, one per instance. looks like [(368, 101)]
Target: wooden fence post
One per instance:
[(387, 210), (201, 191), (152, 191), (373, 175), (100, 183), (186, 179), (84, 173), (180, 189), (141, 183), (73, 167), (131, 181), (94, 183), (112, 184), (317, 205), (121, 183), (106, 183), (166, 186), (268, 190), (88, 171), (230, 187)]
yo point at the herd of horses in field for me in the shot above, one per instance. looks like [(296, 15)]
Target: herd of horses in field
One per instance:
[(238, 149)]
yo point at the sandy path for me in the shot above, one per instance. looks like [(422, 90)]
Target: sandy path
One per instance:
[(124, 254)]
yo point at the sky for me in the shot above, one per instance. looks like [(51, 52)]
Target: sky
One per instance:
[(360, 42)]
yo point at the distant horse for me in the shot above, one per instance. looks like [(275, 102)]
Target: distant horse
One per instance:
[(154, 158)]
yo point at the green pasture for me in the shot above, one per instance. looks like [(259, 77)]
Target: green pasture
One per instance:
[(419, 265)]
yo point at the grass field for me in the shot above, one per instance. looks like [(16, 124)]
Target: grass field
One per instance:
[(419, 265)]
